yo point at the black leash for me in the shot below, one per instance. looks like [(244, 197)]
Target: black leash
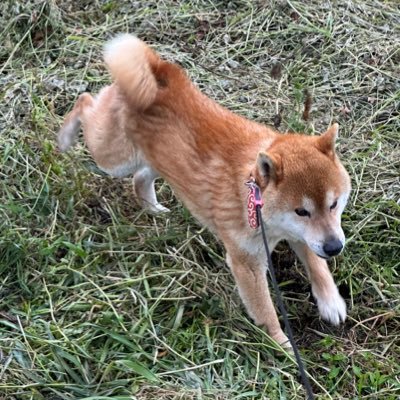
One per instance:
[(304, 377)]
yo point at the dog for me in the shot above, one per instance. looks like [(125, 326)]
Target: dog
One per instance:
[(207, 154), (104, 130)]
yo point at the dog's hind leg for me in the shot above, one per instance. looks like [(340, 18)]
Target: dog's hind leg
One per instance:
[(143, 182), (331, 305), (70, 129)]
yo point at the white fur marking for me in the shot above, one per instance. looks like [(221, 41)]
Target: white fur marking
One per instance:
[(122, 170), (333, 308), (308, 204), (330, 198), (112, 49)]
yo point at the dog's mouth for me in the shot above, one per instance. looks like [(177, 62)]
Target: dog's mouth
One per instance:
[(323, 256)]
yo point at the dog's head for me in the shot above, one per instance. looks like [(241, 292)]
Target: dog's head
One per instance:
[(305, 189)]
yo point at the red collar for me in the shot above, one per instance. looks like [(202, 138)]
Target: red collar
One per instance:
[(254, 199)]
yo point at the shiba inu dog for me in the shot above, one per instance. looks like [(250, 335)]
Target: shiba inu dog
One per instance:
[(207, 153), (104, 130)]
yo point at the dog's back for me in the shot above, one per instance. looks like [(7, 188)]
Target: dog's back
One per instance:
[(198, 146)]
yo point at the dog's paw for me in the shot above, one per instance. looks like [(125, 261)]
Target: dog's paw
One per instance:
[(332, 308), (157, 208), (282, 340)]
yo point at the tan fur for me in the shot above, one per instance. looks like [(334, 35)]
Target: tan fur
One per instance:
[(104, 130), (207, 153)]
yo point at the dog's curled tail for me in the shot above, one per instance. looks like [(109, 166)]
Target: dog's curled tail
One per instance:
[(131, 63)]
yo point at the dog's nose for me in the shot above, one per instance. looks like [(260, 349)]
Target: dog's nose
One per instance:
[(332, 247)]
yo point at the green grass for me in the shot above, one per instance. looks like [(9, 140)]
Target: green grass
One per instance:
[(102, 301)]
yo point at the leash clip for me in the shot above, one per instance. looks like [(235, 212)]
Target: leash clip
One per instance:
[(254, 200)]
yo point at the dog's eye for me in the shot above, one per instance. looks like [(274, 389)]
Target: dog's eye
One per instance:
[(301, 212), (333, 206)]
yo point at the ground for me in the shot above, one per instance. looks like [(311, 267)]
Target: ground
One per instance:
[(100, 300)]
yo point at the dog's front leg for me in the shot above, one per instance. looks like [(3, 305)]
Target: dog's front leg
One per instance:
[(251, 279), (331, 305)]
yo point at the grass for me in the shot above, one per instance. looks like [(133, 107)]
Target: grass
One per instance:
[(100, 300)]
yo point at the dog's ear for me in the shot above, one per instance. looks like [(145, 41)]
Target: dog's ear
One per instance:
[(326, 142), (268, 168)]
